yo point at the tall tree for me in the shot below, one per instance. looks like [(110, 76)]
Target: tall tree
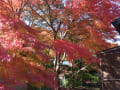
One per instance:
[(72, 28)]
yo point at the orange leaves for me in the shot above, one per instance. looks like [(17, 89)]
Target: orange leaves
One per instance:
[(73, 51), (25, 47), (79, 3), (12, 8), (95, 42), (101, 13), (21, 48), (45, 36), (99, 24), (37, 1)]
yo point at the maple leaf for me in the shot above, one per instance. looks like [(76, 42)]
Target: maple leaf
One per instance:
[(73, 51)]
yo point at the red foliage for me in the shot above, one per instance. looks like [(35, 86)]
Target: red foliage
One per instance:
[(19, 47), (21, 51), (73, 51)]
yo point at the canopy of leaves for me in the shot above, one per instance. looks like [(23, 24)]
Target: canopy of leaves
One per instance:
[(75, 27)]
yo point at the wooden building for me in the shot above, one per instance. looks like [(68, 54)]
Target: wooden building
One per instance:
[(110, 69)]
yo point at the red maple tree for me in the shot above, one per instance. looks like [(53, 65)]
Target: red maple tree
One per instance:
[(76, 28)]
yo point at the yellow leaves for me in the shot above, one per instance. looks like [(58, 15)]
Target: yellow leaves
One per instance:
[(45, 35), (51, 53), (32, 57), (37, 84)]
